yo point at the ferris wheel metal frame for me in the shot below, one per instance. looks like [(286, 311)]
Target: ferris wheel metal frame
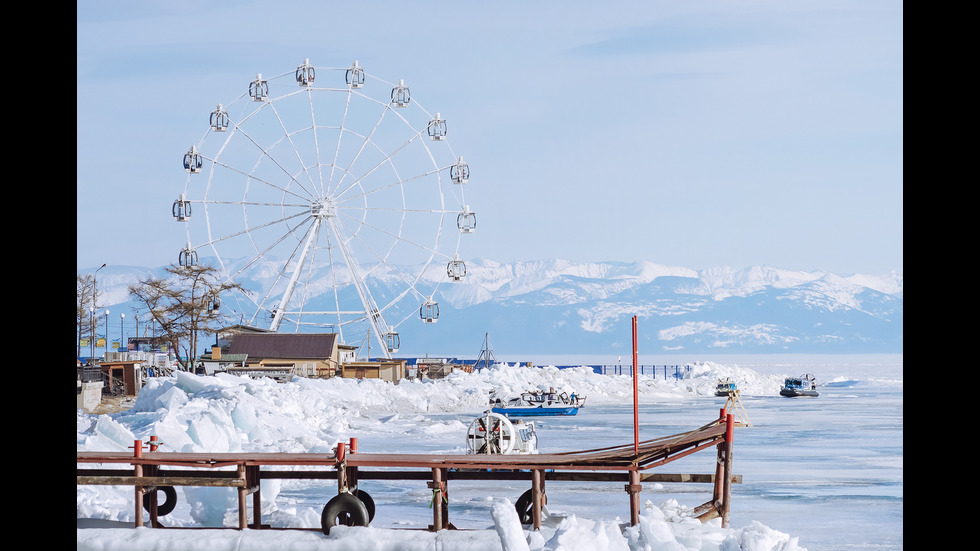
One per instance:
[(328, 189)]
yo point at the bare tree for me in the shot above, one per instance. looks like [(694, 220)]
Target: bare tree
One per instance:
[(87, 296), (184, 305)]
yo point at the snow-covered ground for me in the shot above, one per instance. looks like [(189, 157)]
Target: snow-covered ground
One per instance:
[(224, 413)]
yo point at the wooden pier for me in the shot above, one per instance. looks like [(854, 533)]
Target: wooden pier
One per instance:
[(151, 472)]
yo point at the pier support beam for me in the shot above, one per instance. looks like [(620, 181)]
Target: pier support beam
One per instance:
[(440, 512), (727, 483), (538, 498), (721, 496), (138, 471), (242, 501), (440, 501), (633, 488), (253, 481)]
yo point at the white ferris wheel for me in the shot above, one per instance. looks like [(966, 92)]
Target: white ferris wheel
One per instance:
[(339, 192)]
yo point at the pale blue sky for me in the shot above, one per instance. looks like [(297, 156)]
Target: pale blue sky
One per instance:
[(695, 134)]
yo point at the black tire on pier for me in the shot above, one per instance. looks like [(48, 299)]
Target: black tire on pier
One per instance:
[(368, 502), (343, 509), (523, 507), (168, 504)]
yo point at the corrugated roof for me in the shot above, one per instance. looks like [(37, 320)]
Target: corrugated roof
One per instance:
[(284, 345), (233, 358)]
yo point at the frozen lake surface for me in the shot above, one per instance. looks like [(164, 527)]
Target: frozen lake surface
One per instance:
[(828, 469), (825, 470)]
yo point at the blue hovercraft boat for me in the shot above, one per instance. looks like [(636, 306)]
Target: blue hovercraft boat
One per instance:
[(538, 403)]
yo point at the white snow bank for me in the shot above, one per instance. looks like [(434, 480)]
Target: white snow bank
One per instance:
[(656, 531)]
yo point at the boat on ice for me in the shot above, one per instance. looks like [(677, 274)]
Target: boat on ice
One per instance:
[(725, 387), (804, 385), (538, 403)]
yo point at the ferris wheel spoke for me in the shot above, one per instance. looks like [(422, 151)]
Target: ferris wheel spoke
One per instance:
[(288, 136), (386, 160), (290, 178), (310, 268), (399, 210), (212, 202), (262, 254), (297, 264), (395, 236), (336, 284), (340, 138), (386, 187), (252, 229), (284, 269), (277, 187), (373, 312), (409, 285), (367, 140)]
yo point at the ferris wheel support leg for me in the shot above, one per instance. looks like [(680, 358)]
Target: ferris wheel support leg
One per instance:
[(277, 318), (374, 314)]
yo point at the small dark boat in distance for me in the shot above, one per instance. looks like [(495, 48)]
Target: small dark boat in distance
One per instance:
[(725, 388), (804, 385)]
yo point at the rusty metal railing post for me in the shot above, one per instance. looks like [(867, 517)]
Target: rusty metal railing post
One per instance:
[(351, 472), (341, 467), (636, 406), (727, 486), (718, 491)]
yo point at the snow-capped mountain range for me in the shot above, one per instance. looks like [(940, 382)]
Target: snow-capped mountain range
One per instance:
[(565, 307)]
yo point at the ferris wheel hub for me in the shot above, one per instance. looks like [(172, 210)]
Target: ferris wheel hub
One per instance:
[(324, 208)]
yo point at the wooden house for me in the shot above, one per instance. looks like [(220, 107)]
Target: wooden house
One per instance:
[(281, 355)]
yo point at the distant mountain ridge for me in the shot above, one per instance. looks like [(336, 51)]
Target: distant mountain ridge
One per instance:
[(563, 307)]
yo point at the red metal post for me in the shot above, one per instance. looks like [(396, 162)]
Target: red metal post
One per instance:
[(353, 445), (636, 413), (153, 443), (729, 448), (719, 486), (341, 468)]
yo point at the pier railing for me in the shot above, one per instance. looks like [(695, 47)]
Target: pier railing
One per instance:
[(157, 471)]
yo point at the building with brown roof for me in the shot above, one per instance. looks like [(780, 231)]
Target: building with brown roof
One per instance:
[(284, 354)]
